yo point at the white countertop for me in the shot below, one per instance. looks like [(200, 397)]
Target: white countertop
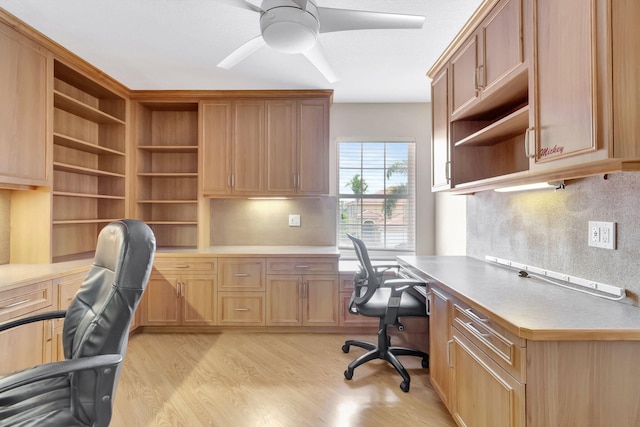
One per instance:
[(531, 308), (251, 250)]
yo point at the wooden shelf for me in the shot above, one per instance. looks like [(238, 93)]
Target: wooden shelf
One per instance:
[(512, 125), (169, 148), (75, 107), (169, 174), (172, 222), (78, 144), (85, 221), (87, 195), (59, 166), (176, 201)]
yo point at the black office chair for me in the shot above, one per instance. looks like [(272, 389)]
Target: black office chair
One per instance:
[(386, 299), (79, 391)]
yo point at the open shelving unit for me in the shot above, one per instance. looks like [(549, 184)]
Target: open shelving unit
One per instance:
[(167, 171), (89, 147)]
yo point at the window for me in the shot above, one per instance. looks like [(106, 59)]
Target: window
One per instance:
[(376, 196)]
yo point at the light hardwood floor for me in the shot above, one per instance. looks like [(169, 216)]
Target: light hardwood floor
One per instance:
[(266, 380)]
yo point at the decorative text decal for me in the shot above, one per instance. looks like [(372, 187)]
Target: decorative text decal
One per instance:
[(547, 151)]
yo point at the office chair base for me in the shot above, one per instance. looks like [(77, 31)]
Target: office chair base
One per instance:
[(390, 354)]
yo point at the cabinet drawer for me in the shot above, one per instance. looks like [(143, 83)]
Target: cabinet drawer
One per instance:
[(197, 264), (505, 348), (241, 274), (66, 289), (24, 300), (302, 265), (241, 308)]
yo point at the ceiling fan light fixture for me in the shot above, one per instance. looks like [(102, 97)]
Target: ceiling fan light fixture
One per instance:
[(289, 29)]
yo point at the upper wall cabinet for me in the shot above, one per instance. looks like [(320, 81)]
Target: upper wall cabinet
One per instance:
[(25, 81), (578, 115), (265, 147), (440, 148), (489, 69)]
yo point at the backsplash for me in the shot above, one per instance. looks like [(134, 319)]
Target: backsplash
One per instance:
[(265, 222), (549, 229)]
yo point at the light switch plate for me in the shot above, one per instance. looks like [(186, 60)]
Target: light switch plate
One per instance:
[(294, 220), (602, 234)]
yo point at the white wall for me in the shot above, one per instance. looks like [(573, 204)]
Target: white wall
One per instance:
[(388, 121)]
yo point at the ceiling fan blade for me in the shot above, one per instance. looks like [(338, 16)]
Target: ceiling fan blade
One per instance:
[(317, 57), (345, 19), (243, 4), (242, 52)]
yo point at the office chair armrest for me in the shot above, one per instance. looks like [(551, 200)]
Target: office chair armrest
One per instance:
[(58, 314), (398, 286), (99, 364)]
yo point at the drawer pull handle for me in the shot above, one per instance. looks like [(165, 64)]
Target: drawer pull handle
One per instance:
[(182, 266), (14, 304), (470, 312), (302, 266), (240, 309), (449, 343), (242, 275), (475, 330)]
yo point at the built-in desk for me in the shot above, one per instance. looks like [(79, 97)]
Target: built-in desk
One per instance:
[(513, 351)]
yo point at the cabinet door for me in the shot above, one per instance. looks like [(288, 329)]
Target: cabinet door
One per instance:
[(198, 300), (162, 301), (284, 300), (313, 146), (440, 148), (241, 309), (503, 46), (281, 146), (24, 85), (439, 327), (248, 157), (484, 394), (23, 346), (320, 301), (564, 76), (464, 77), (216, 142)]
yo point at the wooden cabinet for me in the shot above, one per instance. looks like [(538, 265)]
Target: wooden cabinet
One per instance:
[(27, 345), (439, 345), (241, 291), (347, 318), (64, 290), (559, 101), (477, 367), (233, 149), (89, 147), (440, 148), (181, 292), (297, 299), (265, 147), (167, 171), (491, 65), (25, 86)]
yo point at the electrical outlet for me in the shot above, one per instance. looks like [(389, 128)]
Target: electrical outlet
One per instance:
[(294, 220), (602, 234)]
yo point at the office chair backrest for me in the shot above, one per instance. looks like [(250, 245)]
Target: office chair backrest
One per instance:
[(368, 277), (98, 319)]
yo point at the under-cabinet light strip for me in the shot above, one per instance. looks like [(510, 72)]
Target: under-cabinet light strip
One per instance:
[(543, 273)]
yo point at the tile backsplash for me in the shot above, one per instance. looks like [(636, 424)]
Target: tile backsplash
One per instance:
[(265, 222), (549, 229)]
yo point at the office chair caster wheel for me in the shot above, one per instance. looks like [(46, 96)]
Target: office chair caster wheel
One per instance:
[(348, 374), (425, 362), (404, 386), (345, 348)]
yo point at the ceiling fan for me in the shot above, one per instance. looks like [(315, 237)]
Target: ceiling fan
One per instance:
[(293, 26)]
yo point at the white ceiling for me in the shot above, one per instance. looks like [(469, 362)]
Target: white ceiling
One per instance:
[(176, 44)]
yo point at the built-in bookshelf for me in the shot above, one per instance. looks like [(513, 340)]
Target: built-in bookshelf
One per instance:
[(167, 171), (89, 147)]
